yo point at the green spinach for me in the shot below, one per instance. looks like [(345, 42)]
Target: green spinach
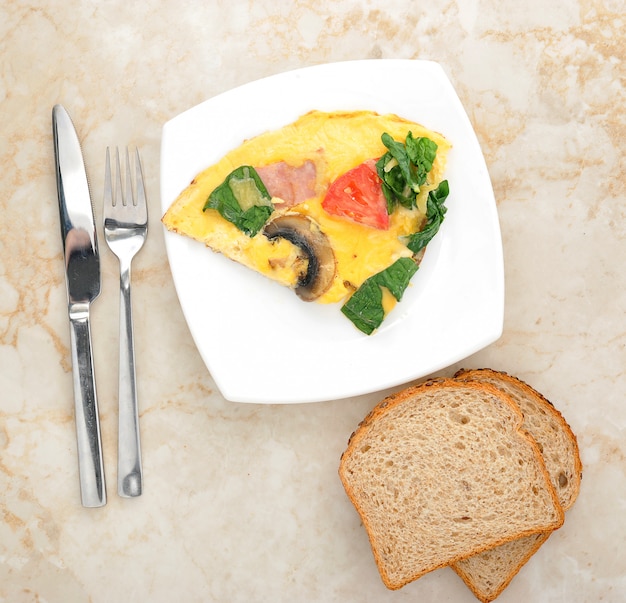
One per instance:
[(243, 200), (404, 168), (365, 306), (435, 212)]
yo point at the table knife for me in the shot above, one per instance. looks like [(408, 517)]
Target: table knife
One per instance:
[(82, 272)]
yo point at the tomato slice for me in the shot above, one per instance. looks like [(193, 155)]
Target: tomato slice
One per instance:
[(358, 195)]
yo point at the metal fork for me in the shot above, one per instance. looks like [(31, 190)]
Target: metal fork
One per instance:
[(125, 230)]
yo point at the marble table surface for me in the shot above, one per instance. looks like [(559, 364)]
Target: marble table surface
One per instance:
[(242, 502)]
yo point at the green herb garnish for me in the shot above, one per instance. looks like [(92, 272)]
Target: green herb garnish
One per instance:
[(243, 200), (365, 306), (435, 212), (404, 169)]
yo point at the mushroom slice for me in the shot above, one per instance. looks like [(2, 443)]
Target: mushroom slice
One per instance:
[(305, 234)]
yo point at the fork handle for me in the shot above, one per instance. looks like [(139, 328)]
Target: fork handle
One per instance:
[(129, 469)]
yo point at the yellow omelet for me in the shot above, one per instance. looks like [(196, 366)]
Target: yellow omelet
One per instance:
[(298, 164)]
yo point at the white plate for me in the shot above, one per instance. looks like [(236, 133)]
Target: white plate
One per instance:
[(258, 340)]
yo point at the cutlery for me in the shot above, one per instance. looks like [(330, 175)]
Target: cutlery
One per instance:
[(125, 230), (82, 276)]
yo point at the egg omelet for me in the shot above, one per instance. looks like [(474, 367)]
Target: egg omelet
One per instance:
[(298, 163)]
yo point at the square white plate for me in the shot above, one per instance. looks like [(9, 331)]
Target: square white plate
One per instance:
[(260, 342)]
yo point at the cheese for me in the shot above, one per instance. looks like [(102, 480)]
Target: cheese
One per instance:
[(335, 143)]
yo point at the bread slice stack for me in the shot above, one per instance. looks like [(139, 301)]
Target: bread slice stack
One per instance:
[(489, 572), (474, 472)]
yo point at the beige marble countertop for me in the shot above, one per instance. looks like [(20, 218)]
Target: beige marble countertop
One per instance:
[(243, 502)]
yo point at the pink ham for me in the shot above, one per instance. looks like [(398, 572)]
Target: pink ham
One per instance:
[(292, 185)]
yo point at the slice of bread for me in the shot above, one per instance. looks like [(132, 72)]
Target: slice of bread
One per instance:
[(442, 471), (489, 573)]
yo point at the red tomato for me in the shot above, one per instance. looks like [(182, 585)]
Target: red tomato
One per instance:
[(358, 195)]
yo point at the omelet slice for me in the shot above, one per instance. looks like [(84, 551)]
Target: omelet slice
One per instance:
[(324, 256)]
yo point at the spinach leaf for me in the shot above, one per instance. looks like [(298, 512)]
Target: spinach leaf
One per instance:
[(435, 212), (404, 168), (422, 152), (394, 186), (365, 306), (399, 152), (243, 200), (254, 218)]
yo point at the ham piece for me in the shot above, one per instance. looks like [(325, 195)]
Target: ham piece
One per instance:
[(292, 185)]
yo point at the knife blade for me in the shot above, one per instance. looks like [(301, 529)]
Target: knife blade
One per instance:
[(82, 272)]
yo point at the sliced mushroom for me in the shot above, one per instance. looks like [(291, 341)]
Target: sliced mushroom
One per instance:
[(305, 234)]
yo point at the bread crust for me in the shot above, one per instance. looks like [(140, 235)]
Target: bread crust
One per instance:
[(391, 402), (474, 374), (532, 544)]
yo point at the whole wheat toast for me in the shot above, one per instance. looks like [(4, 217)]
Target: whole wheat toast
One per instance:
[(442, 471), (488, 573)]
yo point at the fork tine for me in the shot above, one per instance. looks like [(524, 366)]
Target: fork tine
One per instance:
[(119, 193), (124, 186), (108, 187), (140, 191), (129, 197)]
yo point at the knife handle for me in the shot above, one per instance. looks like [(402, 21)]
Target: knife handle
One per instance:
[(90, 466)]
